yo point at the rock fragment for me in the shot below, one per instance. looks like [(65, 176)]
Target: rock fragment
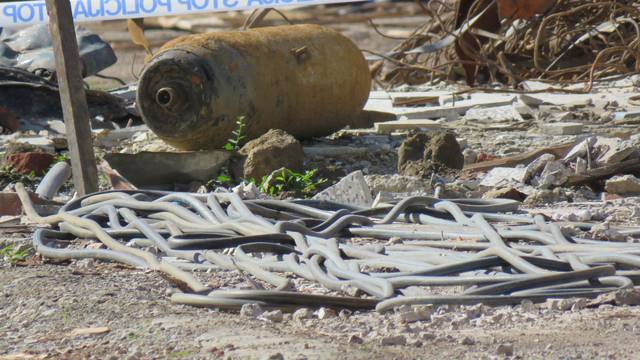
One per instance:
[(251, 310), (271, 151), (623, 185), (352, 189), (393, 340), (505, 349)]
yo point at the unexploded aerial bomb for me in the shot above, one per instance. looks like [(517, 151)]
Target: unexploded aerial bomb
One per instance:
[(305, 79)]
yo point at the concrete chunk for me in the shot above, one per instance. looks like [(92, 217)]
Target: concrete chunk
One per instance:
[(625, 184), (563, 128), (352, 190), (388, 127)]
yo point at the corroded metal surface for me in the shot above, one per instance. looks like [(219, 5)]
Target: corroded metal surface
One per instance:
[(305, 79)]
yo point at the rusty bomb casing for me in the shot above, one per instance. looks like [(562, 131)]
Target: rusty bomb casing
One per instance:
[(305, 79)]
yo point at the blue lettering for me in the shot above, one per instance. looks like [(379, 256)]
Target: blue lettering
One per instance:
[(80, 10), (230, 3), (199, 7), (166, 4), (250, 2), (99, 11), (117, 10), (136, 9), (42, 10), (153, 7), (29, 14), (185, 2), (10, 11)]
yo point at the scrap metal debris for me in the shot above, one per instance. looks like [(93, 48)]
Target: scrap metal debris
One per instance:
[(500, 255), (510, 41), (30, 49)]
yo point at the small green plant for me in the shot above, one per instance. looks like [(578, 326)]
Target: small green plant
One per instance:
[(62, 157), (289, 180), (13, 255), (235, 142)]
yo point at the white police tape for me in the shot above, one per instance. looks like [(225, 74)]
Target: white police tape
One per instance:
[(35, 12)]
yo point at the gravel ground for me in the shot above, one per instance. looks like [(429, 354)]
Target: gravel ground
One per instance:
[(44, 306)]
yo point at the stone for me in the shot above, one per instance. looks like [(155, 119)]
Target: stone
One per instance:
[(505, 193), (388, 127), (9, 122), (325, 313), (275, 356), (271, 151), (39, 142), (528, 306), (470, 156), (355, 340), (28, 162), (554, 174), (302, 314), (421, 153), (393, 340), (467, 341), (581, 166), (444, 151), (89, 331), (352, 189), (537, 165), (629, 296), (623, 185), (272, 316), (345, 313), (505, 349), (603, 231), (247, 191), (411, 153), (251, 310), (563, 128), (503, 176)]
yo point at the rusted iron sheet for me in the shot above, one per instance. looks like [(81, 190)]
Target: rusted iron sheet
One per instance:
[(523, 9)]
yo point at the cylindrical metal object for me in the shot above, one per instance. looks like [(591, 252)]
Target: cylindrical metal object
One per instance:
[(305, 79)]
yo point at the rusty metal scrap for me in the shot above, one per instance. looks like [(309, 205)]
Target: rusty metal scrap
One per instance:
[(510, 41)]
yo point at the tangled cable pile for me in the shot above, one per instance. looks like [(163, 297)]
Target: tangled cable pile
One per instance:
[(572, 41), (497, 256)]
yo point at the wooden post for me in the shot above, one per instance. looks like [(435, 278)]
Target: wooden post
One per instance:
[(72, 96)]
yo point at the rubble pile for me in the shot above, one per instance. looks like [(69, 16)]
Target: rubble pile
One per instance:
[(510, 41)]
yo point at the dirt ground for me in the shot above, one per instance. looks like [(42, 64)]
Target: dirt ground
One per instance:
[(41, 304)]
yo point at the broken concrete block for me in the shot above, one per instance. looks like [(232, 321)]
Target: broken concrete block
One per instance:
[(503, 176), (536, 166), (554, 174), (388, 127), (563, 128), (271, 151), (530, 100), (612, 150), (352, 189), (622, 185), (28, 162), (39, 142)]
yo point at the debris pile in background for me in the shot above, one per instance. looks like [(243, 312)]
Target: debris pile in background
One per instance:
[(510, 41)]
